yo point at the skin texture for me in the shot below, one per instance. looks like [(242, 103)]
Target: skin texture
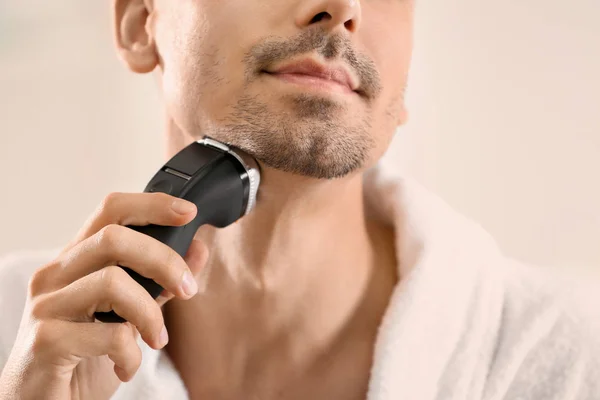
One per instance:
[(60, 352), (286, 312), (291, 297)]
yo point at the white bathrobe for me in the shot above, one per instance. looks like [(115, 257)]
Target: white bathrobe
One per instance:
[(465, 322)]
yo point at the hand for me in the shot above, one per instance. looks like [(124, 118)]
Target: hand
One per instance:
[(60, 351)]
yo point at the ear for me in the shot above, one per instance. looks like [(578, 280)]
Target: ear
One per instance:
[(133, 34)]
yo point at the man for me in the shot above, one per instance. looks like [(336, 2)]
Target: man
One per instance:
[(342, 284)]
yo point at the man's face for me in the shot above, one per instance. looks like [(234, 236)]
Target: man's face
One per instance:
[(313, 87)]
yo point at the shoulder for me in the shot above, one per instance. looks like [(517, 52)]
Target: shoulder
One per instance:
[(548, 344), (15, 270), (545, 297)]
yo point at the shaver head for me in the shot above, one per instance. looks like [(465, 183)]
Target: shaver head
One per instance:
[(214, 173), (248, 163)]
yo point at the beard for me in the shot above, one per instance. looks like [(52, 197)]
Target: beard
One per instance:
[(309, 140), (303, 134)]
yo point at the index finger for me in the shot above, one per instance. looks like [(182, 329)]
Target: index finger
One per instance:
[(137, 209)]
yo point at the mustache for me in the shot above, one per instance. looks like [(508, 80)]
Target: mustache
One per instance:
[(274, 49)]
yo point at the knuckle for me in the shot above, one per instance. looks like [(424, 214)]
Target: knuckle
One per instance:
[(108, 203), (121, 337), (111, 278), (162, 197), (108, 236), (39, 279), (39, 308), (36, 283), (46, 337)]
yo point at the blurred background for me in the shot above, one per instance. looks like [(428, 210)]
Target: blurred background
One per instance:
[(505, 121)]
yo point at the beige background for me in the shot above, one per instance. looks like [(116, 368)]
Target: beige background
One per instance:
[(505, 121)]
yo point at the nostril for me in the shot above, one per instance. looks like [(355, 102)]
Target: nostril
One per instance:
[(320, 17)]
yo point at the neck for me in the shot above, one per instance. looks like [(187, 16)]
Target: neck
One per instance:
[(302, 270), (306, 245)]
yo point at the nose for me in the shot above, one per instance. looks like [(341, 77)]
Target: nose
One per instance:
[(333, 15)]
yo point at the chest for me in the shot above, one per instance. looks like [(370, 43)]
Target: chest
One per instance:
[(330, 385), (341, 374)]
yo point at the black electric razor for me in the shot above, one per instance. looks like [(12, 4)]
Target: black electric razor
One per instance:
[(222, 182)]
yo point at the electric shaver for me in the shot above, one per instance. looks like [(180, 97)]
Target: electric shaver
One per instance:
[(222, 182)]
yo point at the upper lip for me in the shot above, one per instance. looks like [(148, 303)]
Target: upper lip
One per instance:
[(337, 73)]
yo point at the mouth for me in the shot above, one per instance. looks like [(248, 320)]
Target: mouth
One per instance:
[(313, 75)]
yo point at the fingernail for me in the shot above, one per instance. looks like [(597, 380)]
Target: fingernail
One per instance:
[(189, 285), (163, 338), (183, 207)]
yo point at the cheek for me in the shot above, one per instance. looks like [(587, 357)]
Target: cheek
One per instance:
[(198, 72), (389, 40), (388, 36), (392, 57), (181, 69)]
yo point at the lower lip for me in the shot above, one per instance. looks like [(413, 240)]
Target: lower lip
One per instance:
[(313, 82)]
